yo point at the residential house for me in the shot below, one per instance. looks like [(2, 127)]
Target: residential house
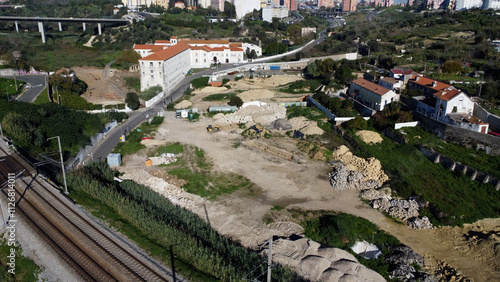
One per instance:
[(445, 103), (371, 94), (390, 83)]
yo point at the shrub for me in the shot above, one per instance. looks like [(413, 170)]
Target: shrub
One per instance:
[(235, 101), (357, 123), (200, 82), (132, 100)]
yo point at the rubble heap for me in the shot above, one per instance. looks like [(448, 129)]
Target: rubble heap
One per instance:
[(343, 179), (354, 173), (406, 210), (402, 260), (371, 168)]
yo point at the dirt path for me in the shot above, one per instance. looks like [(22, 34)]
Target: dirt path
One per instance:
[(304, 186)]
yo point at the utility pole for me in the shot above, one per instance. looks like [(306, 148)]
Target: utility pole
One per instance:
[(62, 163), (269, 259)]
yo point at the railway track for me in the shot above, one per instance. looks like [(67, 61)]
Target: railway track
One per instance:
[(95, 253)]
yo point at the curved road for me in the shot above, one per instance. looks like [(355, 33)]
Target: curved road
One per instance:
[(37, 82)]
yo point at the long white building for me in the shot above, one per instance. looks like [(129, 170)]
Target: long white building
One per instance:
[(166, 62), (468, 4)]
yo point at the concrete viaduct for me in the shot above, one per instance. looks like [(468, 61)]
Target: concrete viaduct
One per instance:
[(59, 21)]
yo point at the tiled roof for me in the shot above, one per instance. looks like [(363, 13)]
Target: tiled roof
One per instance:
[(235, 49), (375, 88), (235, 44), (166, 53), (144, 46), (440, 89), (205, 41), (390, 80), (163, 42), (400, 71), (204, 48)]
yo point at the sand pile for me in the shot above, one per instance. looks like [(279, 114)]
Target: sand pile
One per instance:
[(183, 104), (371, 168), (256, 94), (305, 126), (369, 136), (210, 90), (264, 114)]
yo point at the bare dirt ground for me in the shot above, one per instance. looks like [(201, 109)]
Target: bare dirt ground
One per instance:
[(474, 250), (104, 89)]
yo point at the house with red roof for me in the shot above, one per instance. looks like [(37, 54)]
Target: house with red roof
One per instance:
[(445, 103), (373, 95)]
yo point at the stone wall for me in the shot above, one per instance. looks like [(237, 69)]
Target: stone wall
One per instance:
[(490, 143)]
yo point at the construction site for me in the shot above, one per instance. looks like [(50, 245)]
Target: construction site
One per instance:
[(244, 171), (246, 176)]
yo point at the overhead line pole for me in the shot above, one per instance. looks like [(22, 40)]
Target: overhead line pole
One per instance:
[(62, 163)]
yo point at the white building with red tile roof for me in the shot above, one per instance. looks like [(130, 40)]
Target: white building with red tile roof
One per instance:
[(166, 67), (446, 103), (371, 94), (390, 83), (165, 55)]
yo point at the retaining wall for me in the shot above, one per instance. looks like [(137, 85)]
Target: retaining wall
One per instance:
[(453, 165)]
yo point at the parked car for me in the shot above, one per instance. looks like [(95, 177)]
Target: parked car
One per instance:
[(494, 133)]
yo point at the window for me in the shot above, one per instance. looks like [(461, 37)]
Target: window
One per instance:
[(461, 98), (151, 71), (196, 60), (150, 64), (142, 63), (152, 77), (159, 64)]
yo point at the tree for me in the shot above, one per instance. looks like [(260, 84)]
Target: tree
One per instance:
[(132, 100), (235, 101), (294, 32), (128, 57), (229, 10), (452, 67)]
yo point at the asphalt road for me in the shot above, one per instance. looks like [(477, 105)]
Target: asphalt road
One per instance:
[(105, 147), (37, 82)]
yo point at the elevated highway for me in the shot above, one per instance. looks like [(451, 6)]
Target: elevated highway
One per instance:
[(42, 20)]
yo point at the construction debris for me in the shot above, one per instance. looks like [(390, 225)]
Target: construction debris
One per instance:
[(281, 124), (264, 114), (162, 160)]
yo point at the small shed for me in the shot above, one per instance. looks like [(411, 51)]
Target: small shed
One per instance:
[(114, 159)]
